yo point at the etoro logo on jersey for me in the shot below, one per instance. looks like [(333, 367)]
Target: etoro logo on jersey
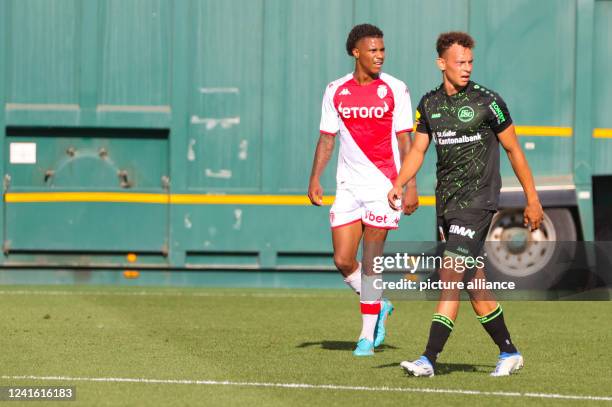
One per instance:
[(363, 112), (465, 114)]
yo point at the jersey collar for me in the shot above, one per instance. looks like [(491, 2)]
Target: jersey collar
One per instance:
[(459, 94)]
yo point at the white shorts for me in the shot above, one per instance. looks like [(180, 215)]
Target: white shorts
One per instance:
[(368, 205)]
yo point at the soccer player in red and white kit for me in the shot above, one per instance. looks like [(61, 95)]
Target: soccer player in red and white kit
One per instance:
[(372, 113)]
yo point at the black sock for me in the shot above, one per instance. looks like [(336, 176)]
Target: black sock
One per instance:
[(441, 328), (495, 326)]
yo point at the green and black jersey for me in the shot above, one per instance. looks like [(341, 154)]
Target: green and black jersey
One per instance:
[(464, 128)]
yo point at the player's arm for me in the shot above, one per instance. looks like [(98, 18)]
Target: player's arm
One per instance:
[(329, 126), (324, 151), (410, 166), (410, 202), (533, 212)]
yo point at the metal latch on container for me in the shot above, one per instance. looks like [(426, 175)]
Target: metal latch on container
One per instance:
[(6, 182), (6, 247), (165, 181), (124, 182), (48, 175)]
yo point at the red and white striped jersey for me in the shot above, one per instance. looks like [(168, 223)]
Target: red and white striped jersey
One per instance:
[(368, 117)]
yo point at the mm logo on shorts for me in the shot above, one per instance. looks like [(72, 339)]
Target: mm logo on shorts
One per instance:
[(461, 230), (373, 218)]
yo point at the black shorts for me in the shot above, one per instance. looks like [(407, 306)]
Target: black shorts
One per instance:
[(464, 231)]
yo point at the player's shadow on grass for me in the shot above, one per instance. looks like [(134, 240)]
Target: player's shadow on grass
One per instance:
[(448, 368), (339, 345)]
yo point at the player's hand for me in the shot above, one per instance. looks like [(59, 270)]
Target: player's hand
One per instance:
[(394, 197), (533, 215), (315, 192), (411, 200)]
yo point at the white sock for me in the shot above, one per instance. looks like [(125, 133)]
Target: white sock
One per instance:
[(353, 280), (369, 324)]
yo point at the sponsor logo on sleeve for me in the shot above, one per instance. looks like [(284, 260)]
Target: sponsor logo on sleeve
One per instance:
[(499, 115)]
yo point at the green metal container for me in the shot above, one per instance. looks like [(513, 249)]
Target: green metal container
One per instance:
[(183, 132)]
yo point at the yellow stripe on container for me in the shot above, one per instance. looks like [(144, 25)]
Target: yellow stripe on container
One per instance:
[(602, 133), (177, 199), (544, 131), (245, 199), (13, 197)]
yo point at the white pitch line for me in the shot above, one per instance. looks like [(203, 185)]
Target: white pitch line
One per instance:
[(164, 294), (307, 386)]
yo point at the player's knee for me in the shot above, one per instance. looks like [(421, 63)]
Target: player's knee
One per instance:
[(344, 264), (475, 295), (479, 295)]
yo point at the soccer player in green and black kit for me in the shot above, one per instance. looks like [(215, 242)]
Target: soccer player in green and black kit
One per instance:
[(466, 122)]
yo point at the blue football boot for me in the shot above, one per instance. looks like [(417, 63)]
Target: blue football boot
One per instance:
[(364, 348), (507, 364), (386, 309)]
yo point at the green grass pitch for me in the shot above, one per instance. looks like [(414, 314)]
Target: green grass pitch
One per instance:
[(272, 337)]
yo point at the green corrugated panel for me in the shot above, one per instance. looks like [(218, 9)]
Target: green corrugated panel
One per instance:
[(523, 51), (225, 133), (239, 84), (583, 117), (517, 46), (304, 51), (4, 18), (602, 86), (42, 54), (86, 227), (135, 57)]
